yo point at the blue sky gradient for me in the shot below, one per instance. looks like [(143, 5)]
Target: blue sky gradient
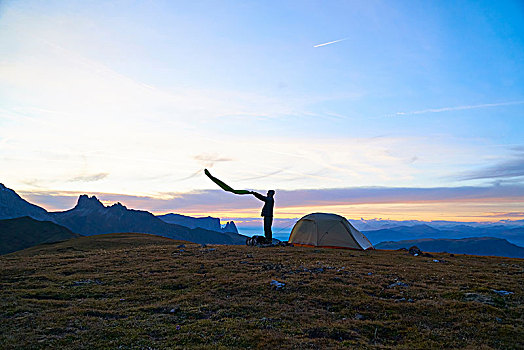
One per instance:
[(137, 97)]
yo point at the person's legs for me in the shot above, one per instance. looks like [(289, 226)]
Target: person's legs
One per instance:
[(268, 221)]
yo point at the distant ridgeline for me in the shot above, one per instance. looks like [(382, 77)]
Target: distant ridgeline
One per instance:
[(512, 232), (476, 246), (90, 217), (208, 223)]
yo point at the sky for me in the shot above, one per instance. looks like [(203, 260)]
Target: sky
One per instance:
[(370, 109)]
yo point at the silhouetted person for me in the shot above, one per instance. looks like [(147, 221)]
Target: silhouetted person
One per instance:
[(267, 212)]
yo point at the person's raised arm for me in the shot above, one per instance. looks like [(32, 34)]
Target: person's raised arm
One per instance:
[(259, 196)]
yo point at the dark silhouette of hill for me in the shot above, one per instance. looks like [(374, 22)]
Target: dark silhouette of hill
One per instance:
[(91, 217), (13, 206), (208, 223), (25, 232), (474, 245)]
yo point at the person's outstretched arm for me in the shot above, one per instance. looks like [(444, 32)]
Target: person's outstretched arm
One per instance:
[(259, 196)]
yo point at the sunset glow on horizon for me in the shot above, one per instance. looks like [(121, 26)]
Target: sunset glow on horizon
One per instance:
[(461, 209)]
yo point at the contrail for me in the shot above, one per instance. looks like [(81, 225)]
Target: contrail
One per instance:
[(331, 42), (457, 108)]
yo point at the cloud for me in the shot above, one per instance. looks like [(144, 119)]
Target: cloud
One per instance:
[(32, 183), (209, 159), (45, 108), (510, 169), (331, 42), (504, 215), (375, 195), (456, 108), (209, 201), (89, 178)]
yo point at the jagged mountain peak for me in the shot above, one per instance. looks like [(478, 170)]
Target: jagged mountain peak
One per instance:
[(86, 202), (119, 206), (230, 227), (207, 223)]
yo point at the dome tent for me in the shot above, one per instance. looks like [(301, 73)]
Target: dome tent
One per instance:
[(329, 231)]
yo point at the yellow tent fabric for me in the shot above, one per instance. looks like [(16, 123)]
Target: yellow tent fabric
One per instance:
[(327, 230)]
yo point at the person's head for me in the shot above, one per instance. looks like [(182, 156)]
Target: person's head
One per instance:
[(270, 193)]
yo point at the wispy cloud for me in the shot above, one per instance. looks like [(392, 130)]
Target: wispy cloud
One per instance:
[(90, 177), (331, 42), (209, 159), (509, 169), (456, 108), (44, 127), (503, 215)]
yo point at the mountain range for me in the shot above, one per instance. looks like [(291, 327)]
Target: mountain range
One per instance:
[(208, 223), (513, 234), (90, 217), (474, 245)]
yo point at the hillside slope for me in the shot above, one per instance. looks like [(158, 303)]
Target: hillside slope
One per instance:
[(13, 206), (144, 291), (25, 232)]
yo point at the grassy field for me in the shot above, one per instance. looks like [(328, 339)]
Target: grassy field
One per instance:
[(131, 291)]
